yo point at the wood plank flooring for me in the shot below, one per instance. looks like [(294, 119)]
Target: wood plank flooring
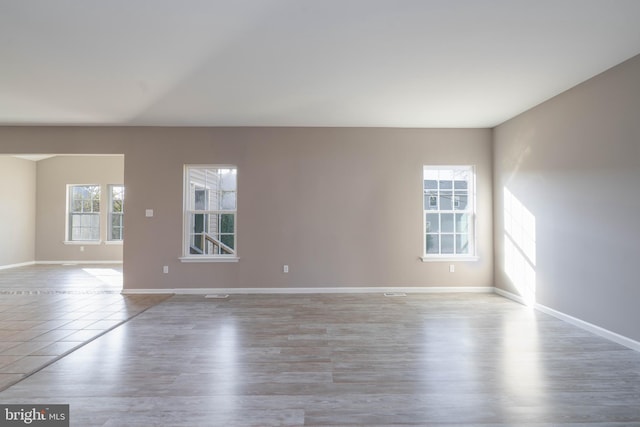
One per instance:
[(329, 360)]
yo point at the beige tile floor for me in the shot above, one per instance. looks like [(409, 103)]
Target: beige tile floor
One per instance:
[(48, 311)]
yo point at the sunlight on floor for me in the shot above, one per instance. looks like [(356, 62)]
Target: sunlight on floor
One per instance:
[(108, 276)]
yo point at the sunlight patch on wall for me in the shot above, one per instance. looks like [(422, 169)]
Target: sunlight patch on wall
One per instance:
[(520, 247)]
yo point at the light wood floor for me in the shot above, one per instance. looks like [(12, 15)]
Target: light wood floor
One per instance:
[(258, 360)]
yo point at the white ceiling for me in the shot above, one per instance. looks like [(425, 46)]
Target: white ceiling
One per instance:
[(389, 63)]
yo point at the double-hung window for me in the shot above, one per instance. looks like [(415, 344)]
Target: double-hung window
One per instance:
[(84, 213), (210, 200), (116, 213), (449, 212)]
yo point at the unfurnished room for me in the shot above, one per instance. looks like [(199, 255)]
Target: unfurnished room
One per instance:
[(319, 213)]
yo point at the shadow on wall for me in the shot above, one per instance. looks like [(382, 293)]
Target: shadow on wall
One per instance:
[(520, 247)]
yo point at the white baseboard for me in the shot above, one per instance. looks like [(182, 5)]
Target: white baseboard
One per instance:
[(509, 295), (22, 264), (322, 290), (604, 333), (71, 262)]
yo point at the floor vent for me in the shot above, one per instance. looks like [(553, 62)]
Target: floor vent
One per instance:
[(395, 294), (217, 296)]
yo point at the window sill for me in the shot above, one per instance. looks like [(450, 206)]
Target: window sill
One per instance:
[(113, 242), (209, 259), (438, 258), (82, 242)]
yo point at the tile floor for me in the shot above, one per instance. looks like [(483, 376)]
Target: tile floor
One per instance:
[(48, 311)]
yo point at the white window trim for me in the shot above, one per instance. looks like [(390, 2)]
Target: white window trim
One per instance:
[(84, 242), (471, 257), (217, 258), (186, 257), (67, 227)]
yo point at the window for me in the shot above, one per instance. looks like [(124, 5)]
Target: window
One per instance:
[(210, 213), (84, 212), (116, 213), (449, 212)]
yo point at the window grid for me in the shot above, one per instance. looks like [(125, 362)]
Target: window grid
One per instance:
[(449, 212), (84, 213), (210, 211)]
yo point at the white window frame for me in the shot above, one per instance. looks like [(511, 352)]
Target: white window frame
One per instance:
[(187, 256), (111, 214), (70, 212), (470, 210)]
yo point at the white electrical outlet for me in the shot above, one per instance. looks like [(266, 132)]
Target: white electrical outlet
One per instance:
[(165, 269), (452, 268), (285, 268)]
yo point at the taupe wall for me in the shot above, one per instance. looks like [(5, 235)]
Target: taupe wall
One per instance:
[(574, 163), (341, 207), (53, 176), (17, 211)]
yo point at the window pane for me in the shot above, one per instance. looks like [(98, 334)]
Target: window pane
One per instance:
[(228, 179), (446, 185), (433, 223), (462, 244), (461, 201), (200, 196), (446, 223), (460, 185), (430, 184), (228, 239), (226, 223), (430, 175), (433, 244), (462, 223), (77, 192), (446, 241), (198, 223), (431, 200), (461, 179), (228, 201), (446, 200)]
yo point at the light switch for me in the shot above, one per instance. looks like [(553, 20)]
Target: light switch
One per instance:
[(148, 213)]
